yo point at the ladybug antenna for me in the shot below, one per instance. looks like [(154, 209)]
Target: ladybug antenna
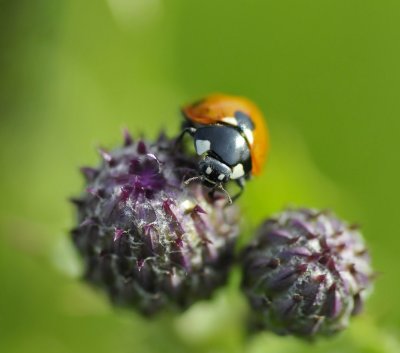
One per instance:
[(188, 181), (220, 187)]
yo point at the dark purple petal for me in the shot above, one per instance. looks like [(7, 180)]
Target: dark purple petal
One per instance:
[(303, 227), (333, 304), (280, 237), (89, 173), (296, 251), (285, 278), (287, 308), (106, 156), (201, 226), (141, 148), (118, 234), (128, 140)]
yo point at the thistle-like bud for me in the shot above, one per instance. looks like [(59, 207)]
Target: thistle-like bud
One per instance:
[(145, 238), (306, 273)]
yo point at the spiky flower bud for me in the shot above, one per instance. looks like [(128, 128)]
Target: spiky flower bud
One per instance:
[(306, 273), (146, 239)]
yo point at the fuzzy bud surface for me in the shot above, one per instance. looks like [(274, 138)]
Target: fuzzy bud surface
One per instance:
[(149, 241), (306, 273)]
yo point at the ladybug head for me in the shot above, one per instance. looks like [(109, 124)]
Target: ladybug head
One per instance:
[(213, 172)]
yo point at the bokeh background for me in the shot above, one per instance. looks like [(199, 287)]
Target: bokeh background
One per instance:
[(74, 73)]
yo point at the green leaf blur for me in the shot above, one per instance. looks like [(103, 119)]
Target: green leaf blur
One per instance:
[(74, 73)]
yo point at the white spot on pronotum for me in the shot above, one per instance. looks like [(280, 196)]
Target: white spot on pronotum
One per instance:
[(230, 120), (249, 136), (202, 146), (221, 177), (237, 171), (208, 170)]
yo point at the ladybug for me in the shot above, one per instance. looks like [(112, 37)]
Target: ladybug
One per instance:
[(230, 135)]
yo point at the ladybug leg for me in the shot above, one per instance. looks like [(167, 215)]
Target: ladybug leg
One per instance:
[(221, 188), (187, 130), (241, 182)]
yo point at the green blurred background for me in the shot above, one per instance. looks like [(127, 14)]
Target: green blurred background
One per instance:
[(74, 73)]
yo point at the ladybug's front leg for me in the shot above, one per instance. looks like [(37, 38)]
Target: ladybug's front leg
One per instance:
[(188, 130), (221, 188), (241, 182)]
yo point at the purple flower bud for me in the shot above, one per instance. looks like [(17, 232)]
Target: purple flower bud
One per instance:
[(145, 238), (306, 273)]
